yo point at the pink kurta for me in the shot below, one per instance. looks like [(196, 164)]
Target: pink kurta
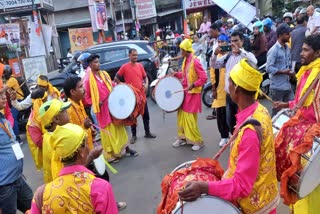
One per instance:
[(241, 184), (101, 194), (306, 112), (192, 102), (103, 117)]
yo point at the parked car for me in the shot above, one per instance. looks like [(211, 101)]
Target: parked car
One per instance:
[(112, 56)]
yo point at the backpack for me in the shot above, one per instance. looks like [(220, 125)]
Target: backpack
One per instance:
[(24, 87)]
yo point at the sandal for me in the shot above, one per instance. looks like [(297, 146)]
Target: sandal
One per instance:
[(121, 205)]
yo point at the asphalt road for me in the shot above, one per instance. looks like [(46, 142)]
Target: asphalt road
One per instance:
[(139, 179)]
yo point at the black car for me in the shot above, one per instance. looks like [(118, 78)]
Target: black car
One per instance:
[(112, 56)]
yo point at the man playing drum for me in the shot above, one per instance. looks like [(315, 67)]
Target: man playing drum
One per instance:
[(304, 123), (134, 74), (98, 86), (193, 78), (250, 179)]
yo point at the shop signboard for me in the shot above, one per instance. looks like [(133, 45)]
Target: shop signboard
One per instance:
[(191, 4), (80, 38), (34, 66), (145, 9), (21, 5)]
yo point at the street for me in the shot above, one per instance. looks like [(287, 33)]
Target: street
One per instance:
[(139, 179)]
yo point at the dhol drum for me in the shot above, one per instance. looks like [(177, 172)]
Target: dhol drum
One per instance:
[(126, 103), (279, 119), (206, 204), (202, 169), (306, 180), (169, 93)]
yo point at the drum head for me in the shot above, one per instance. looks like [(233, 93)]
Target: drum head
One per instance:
[(165, 96), (310, 176), (122, 101), (207, 204), (100, 165)]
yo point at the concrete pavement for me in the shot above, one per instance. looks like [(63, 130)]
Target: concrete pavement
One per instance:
[(139, 179)]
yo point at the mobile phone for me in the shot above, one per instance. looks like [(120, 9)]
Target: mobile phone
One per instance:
[(225, 48)]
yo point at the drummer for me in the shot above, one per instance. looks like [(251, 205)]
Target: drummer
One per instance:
[(250, 179), (193, 78), (305, 121), (98, 86)]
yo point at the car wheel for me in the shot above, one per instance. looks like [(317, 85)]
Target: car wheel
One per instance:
[(207, 97)]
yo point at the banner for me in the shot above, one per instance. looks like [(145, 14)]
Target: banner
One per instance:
[(34, 66), (14, 64), (145, 9), (10, 36), (191, 4), (37, 43), (22, 5), (80, 38)]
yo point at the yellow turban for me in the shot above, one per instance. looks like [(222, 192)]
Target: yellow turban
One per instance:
[(52, 90), (50, 109), (186, 45), (67, 139), (246, 76)]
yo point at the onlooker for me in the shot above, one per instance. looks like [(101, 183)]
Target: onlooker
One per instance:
[(14, 191), (170, 38), (287, 18), (69, 54), (297, 37), (259, 45), (271, 34), (197, 46), (229, 61), (205, 26), (230, 24), (313, 22), (278, 67)]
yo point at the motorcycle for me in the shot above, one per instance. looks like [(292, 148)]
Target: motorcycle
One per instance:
[(207, 97)]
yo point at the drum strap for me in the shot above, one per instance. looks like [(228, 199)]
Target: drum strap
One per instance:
[(257, 126), (38, 196)]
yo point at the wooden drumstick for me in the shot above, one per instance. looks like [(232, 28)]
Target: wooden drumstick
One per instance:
[(179, 91), (25, 81), (101, 129), (266, 96)]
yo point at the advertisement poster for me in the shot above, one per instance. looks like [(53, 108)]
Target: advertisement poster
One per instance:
[(80, 38), (101, 16), (34, 66), (14, 64), (10, 35), (145, 9)]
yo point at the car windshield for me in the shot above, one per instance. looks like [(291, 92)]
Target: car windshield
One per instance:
[(69, 66)]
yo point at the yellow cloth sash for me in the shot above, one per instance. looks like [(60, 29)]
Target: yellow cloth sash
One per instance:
[(94, 88), (192, 75), (315, 69), (52, 90)]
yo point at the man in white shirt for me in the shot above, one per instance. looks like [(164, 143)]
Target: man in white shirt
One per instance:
[(205, 26), (69, 54), (313, 26)]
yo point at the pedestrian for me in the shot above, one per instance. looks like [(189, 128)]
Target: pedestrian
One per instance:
[(297, 37), (133, 73), (259, 45), (193, 78), (217, 77), (279, 67), (197, 46), (313, 25), (98, 86), (93, 195), (271, 34), (205, 26), (250, 180), (52, 113), (15, 193), (69, 54), (229, 61), (302, 126)]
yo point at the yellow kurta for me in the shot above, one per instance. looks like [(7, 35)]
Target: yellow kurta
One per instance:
[(14, 84), (77, 115), (221, 93)]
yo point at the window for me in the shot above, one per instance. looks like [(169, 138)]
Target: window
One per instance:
[(111, 55)]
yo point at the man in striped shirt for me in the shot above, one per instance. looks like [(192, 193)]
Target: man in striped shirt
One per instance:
[(229, 61)]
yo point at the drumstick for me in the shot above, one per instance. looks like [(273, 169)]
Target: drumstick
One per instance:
[(179, 91), (266, 96), (101, 129), (24, 82)]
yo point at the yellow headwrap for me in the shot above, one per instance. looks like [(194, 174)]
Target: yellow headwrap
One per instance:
[(94, 91), (53, 91), (66, 139), (315, 67), (50, 109), (186, 45), (246, 76)]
